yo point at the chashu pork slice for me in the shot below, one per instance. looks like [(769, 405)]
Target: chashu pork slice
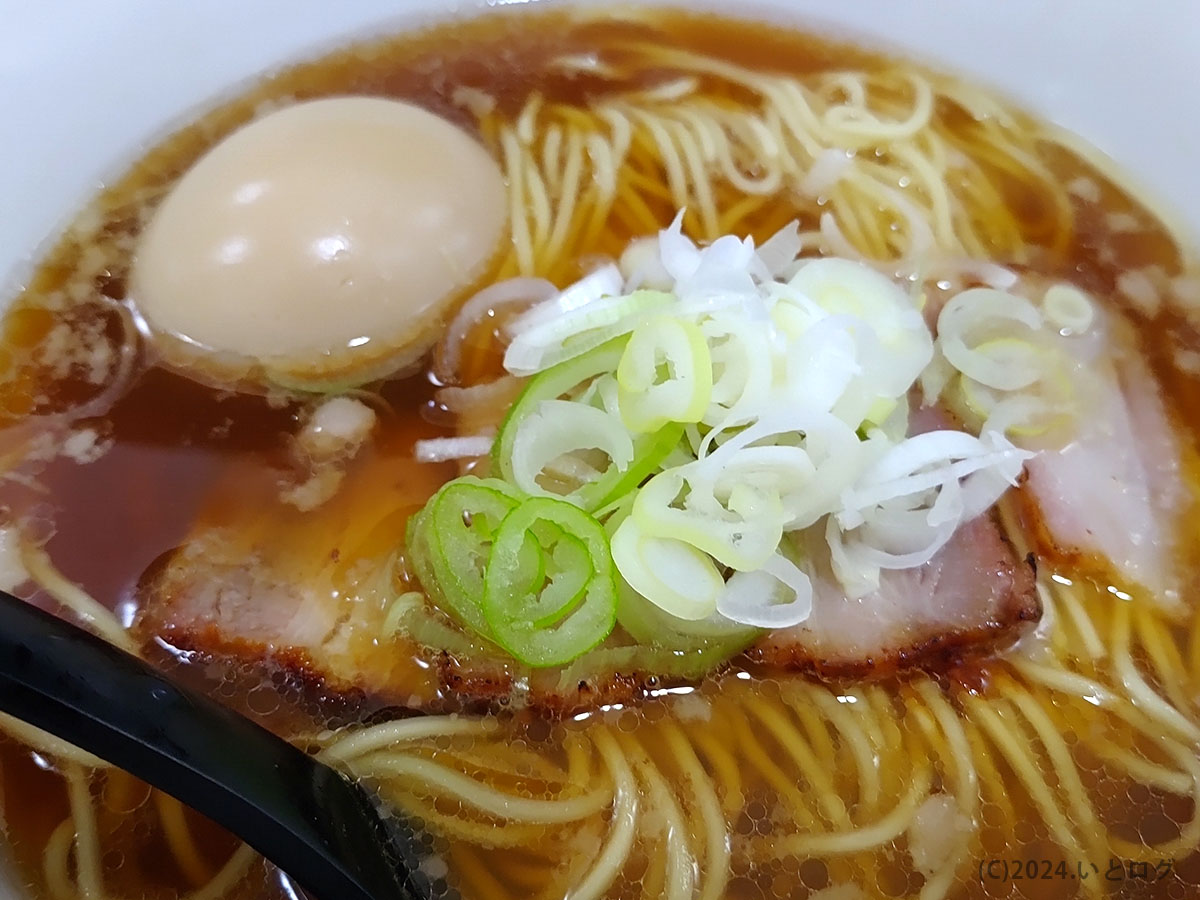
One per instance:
[(320, 625), (1109, 501), (975, 595)]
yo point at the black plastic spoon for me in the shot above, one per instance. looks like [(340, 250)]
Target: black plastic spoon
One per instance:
[(322, 829)]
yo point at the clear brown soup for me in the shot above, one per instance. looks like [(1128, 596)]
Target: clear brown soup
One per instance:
[(175, 441)]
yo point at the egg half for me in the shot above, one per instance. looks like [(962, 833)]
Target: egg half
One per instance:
[(320, 244)]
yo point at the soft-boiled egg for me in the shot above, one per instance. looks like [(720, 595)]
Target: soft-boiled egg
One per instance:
[(320, 244)]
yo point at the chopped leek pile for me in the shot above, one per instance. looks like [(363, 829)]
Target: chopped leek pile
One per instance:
[(684, 419)]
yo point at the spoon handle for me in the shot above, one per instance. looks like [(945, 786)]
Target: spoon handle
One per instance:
[(316, 825)]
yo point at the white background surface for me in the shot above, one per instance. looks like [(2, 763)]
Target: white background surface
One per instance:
[(84, 84)]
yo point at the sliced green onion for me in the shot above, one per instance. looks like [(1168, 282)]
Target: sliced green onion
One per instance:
[(553, 384), (572, 333), (648, 398), (779, 595), (560, 428), (844, 287), (742, 532), (675, 576), (1068, 309), (456, 529), (554, 622), (985, 314), (402, 607), (742, 368), (563, 578)]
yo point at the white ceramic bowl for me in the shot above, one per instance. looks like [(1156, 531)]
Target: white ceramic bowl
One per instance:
[(86, 84)]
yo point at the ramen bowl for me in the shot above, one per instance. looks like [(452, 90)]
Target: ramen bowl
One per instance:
[(98, 87)]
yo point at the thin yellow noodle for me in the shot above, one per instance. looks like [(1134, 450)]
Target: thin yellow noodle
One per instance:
[(816, 731), (518, 215), (593, 232), (771, 179), (633, 216), (1075, 685), (605, 162), (485, 798), (882, 831), (477, 876), (952, 747), (179, 839), (528, 116), (671, 91), (88, 867), (121, 792), (681, 862), (757, 756), (857, 705), (667, 156), (793, 109), (843, 128), (716, 833), (934, 149), (934, 184), (693, 160), (506, 763), (1014, 746), (1083, 814), (551, 157), (520, 869), (1141, 769), (703, 127), (398, 731), (56, 861), (967, 788), (734, 214), (1189, 835), (921, 240), (236, 868), (1069, 602), (879, 705), (854, 738), (623, 826), (845, 205), (457, 825), (801, 755), (579, 117), (644, 169), (571, 180), (1025, 167), (633, 199), (579, 759), (538, 200), (1162, 653), (991, 782), (884, 228), (1004, 229), (1140, 692), (851, 86), (724, 765), (49, 745), (94, 615), (654, 879), (1193, 648)]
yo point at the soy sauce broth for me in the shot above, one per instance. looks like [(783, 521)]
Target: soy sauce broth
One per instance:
[(171, 451)]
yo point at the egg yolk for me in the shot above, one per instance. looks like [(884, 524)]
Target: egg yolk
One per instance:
[(321, 241)]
